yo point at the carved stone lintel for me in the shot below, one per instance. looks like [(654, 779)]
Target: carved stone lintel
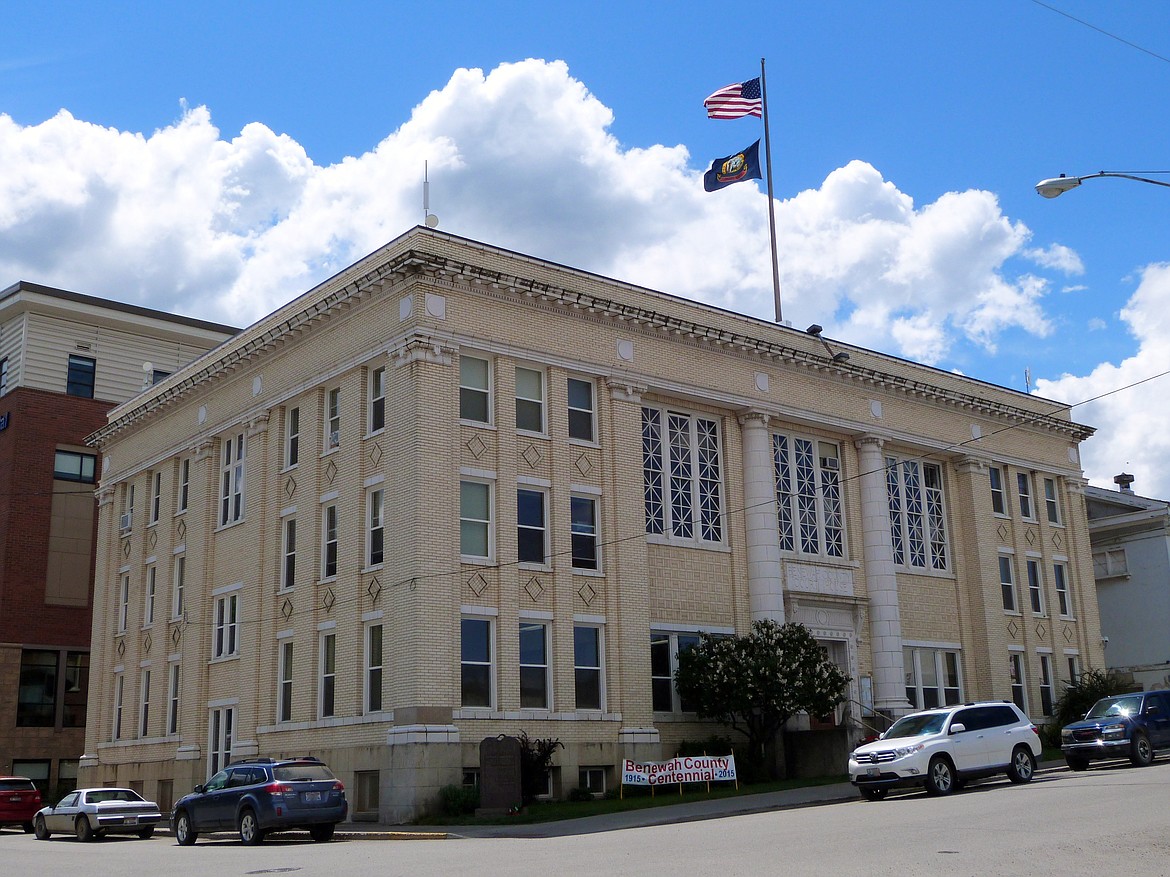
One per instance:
[(625, 391)]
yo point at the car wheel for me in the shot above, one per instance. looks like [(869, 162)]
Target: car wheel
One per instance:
[(184, 834), (146, 833), (1077, 764), (1141, 752), (873, 794), (40, 829), (1023, 766), (83, 830), (322, 833), (940, 776), (250, 832)]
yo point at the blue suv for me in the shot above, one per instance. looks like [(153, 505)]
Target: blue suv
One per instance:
[(1130, 726), (260, 795)]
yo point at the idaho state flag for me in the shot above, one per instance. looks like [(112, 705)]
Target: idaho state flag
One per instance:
[(744, 165)]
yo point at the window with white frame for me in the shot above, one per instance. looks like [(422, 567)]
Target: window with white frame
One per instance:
[(917, 516), (1052, 501), (932, 677), (475, 662), (1024, 493), (531, 526), (180, 580), (284, 681), (221, 728), (1007, 583), (329, 542), (155, 497), (375, 533), (475, 519), (529, 399), (231, 494), (587, 666), (592, 780), (183, 492), (144, 703), (151, 591), (664, 651), (333, 419), (808, 495), (119, 692), (328, 678), (474, 389), (373, 668), (1035, 586), (581, 418), (174, 683), (1016, 673), (1073, 663), (1060, 582), (225, 626), (292, 438), (1110, 562), (124, 603), (533, 665), (682, 480), (127, 519), (583, 532), (288, 557), (1047, 686), (998, 491), (378, 399)]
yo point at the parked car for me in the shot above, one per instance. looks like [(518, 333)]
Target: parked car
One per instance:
[(20, 799), (941, 749), (1132, 726), (261, 795), (94, 813)]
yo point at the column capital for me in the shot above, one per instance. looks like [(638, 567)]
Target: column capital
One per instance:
[(870, 439), (754, 417), (971, 465), (625, 391)]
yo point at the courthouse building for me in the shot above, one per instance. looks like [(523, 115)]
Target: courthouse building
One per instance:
[(455, 492)]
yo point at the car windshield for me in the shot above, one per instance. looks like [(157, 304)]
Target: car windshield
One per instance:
[(15, 785), (1113, 707), (302, 773), (915, 726), (100, 795)]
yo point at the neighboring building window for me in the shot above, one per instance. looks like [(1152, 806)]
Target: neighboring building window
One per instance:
[(184, 491), (533, 665), (328, 674), (682, 482), (1109, 563), (581, 410), (474, 389), (808, 495), (76, 694), (475, 662), (220, 730), (36, 701), (1060, 581), (333, 419), (157, 376), (180, 581), (231, 495), (80, 379), (1046, 686), (1035, 587), (119, 691), (1024, 492), (292, 438), (1007, 584), (173, 687), (151, 591), (1016, 672), (144, 706), (932, 677), (376, 530), (587, 666), (374, 668), (998, 494), (124, 603), (155, 498), (1051, 501), (475, 519), (329, 542), (225, 641), (377, 399), (288, 565), (531, 528), (583, 531), (3, 376), (664, 652), (530, 399), (284, 685), (68, 466), (917, 525)]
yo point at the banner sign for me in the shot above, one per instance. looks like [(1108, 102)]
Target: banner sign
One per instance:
[(689, 769)]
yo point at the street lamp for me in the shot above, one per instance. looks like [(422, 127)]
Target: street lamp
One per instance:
[(1059, 185)]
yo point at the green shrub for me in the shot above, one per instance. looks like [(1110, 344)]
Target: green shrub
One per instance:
[(579, 794), (458, 800), (1079, 697), (713, 745), (536, 755)]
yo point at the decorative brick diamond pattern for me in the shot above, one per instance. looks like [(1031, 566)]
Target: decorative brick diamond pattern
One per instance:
[(1031, 537), (1013, 629), (532, 456), (125, 547), (587, 593), (478, 584), (290, 486), (476, 446), (374, 590), (1003, 532), (582, 464), (376, 454), (1041, 630), (121, 648), (286, 609), (152, 538), (1068, 634), (330, 471), (533, 588), (328, 600), (147, 643), (1057, 539), (176, 634), (181, 530)]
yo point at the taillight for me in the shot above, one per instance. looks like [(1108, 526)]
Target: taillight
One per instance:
[(338, 786), (1036, 730), (278, 790)]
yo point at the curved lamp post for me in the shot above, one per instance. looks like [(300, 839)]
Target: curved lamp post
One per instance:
[(1059, 185)]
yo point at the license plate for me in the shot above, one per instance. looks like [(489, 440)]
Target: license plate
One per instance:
[(873, 772), (129, 820), (16, 799), (312, 797)]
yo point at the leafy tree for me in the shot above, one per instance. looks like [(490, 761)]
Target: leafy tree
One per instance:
[(536, 755), (756, 683)]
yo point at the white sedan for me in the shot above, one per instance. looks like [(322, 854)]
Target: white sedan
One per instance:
[(93, 813)]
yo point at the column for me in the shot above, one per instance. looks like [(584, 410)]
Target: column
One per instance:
[(765, 586)]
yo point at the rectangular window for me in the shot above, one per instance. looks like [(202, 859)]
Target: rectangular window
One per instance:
[(69, 466), (475, 662), (151, 591), (329, 542), (682, 481), (531, 527), (225, 640), (475, 519), (998, 494), (127, 520), (231, 495), (529, 399), (1007, 584), (328, 674), (474, 389), (1074, 668), (1046, 686), (809, 513), (155, 498), (1051, 501), (288, 555), (80, 378), (376, 531), (292, 438), (583, 531), (1016, 672), (119, 691), (333, 419), (36, 702), (180, 581), (144, 705), (284, 684), (3, 376), (917, 518), (533, 665), (1110, 563), (587, 666), (1024, 491), (1060, 581), (184, 491), (664, 652), (581, 410), (366, 796), (592, 780), (378, 399), (76, 689), (175, 680), (374, 668), (932, 677), (219, 739), (124, 603), (1035, 587)]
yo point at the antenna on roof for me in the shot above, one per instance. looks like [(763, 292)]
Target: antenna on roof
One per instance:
[(430, 219)]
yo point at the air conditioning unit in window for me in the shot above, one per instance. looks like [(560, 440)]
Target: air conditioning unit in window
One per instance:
[(334, 439), (125, 521)]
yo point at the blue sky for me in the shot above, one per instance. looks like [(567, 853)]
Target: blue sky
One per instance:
[(218, 159)]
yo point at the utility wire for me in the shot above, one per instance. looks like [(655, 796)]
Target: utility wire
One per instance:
[(1099, 30)]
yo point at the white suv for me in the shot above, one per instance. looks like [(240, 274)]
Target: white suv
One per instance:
[(943, 748)]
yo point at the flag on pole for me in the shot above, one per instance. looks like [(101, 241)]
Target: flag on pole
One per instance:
[(744, 165), (735, 101)]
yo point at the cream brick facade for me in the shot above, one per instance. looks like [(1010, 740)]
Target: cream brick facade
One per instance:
[(723, 386)]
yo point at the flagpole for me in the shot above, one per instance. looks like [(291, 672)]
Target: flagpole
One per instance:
[(771, 199)]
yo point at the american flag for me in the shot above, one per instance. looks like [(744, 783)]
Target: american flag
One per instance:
[(735, 101)]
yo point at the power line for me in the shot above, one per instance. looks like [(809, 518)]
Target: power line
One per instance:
[(1099, 30)]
